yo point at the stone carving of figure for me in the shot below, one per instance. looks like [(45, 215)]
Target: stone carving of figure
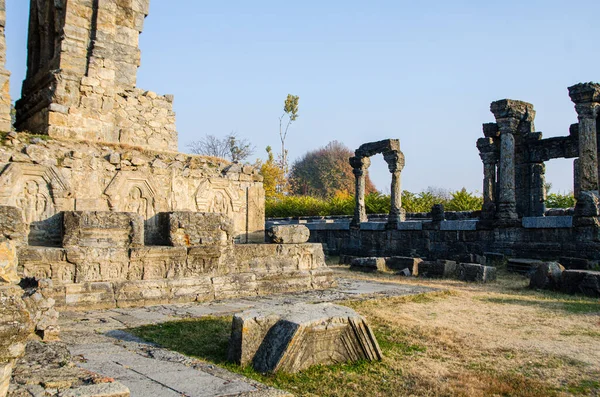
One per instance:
[(219, 204), (34, 203), (137, 203)]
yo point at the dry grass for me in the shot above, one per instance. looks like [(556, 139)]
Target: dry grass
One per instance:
[(495, 339), (499, 339)]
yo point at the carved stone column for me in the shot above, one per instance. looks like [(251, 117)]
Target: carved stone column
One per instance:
[(586, 97), (489, 157), (359, 167), (395, 161), (576, 188), (512, 117)]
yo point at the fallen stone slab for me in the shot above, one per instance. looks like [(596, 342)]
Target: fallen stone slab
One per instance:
[(548, 275), (522, 265), (474, 272), (494, 259), (294, 337), (437, 269), (368, 264), (288, 234), (404, 265), (575, 263), (586, 282), (401, 265)]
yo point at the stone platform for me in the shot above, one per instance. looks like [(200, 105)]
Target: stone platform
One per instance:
[(147, 370)]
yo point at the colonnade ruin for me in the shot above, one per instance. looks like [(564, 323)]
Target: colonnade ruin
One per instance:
[(99, 210)]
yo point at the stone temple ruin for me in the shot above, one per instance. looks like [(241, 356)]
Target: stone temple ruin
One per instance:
[(97, 207), (514, 221), (115, 215), (99, 210)]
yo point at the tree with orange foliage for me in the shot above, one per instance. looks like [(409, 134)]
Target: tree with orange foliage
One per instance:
[(325, 173)]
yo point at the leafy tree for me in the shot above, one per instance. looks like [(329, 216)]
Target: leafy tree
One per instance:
[(230, 147), (558, 200), (290, 114), (464, 201), (325, 172), (273, 176)]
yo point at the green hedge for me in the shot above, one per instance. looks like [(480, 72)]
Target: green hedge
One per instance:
[(376, 203)]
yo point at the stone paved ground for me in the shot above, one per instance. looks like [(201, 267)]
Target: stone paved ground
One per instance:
[(98, 343)]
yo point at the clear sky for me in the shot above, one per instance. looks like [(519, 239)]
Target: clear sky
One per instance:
[(423, 72)]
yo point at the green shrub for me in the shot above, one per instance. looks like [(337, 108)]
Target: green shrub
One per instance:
[(375, 203), (557, 200), (464, 201)]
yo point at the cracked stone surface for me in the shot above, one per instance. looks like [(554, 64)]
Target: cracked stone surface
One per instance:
[(98, 343)]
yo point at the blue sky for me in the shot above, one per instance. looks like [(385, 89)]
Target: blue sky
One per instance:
[(423, 72)]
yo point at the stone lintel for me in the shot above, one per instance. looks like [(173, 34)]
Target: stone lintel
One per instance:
[(490, 130), (510, 108), (372, 148), (585, 93)]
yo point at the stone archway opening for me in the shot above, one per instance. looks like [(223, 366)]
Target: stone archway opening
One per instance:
[(390, 149)]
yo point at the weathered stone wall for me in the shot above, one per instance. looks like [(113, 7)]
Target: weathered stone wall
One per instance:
[(81, 76), (548, 238), (5, 103), (44, 178), (102, 263), (103, 277)]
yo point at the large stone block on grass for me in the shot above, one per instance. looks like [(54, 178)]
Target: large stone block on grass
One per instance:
[(475, 272), (548, 275), (438, 269), (584, 282), (368, 264), (295, 337), (288, 234)]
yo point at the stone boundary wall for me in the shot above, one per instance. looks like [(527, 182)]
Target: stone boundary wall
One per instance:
[(547, 238)]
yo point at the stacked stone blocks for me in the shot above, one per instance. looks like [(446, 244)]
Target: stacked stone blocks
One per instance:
[(81, 76)]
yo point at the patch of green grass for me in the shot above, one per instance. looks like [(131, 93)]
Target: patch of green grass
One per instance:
[(573, 306), (581, 332), (585, 388), (207, 339)]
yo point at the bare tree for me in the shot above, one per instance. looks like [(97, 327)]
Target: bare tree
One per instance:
[(230, 147), (290, 109)]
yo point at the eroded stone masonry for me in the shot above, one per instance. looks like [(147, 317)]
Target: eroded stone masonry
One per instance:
[(114, 215), (82, 65)]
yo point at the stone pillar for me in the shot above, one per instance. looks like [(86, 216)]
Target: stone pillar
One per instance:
[(576, 188), (586, 97), (5, 103), (395, 161), (537, 187), (359, 167), (507, 201), (512, 117), (489, 182)]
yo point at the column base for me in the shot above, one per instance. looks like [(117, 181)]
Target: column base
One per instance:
[(588, 204), (507, 212)]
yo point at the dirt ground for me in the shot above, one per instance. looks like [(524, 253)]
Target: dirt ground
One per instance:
[(490, 339)]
